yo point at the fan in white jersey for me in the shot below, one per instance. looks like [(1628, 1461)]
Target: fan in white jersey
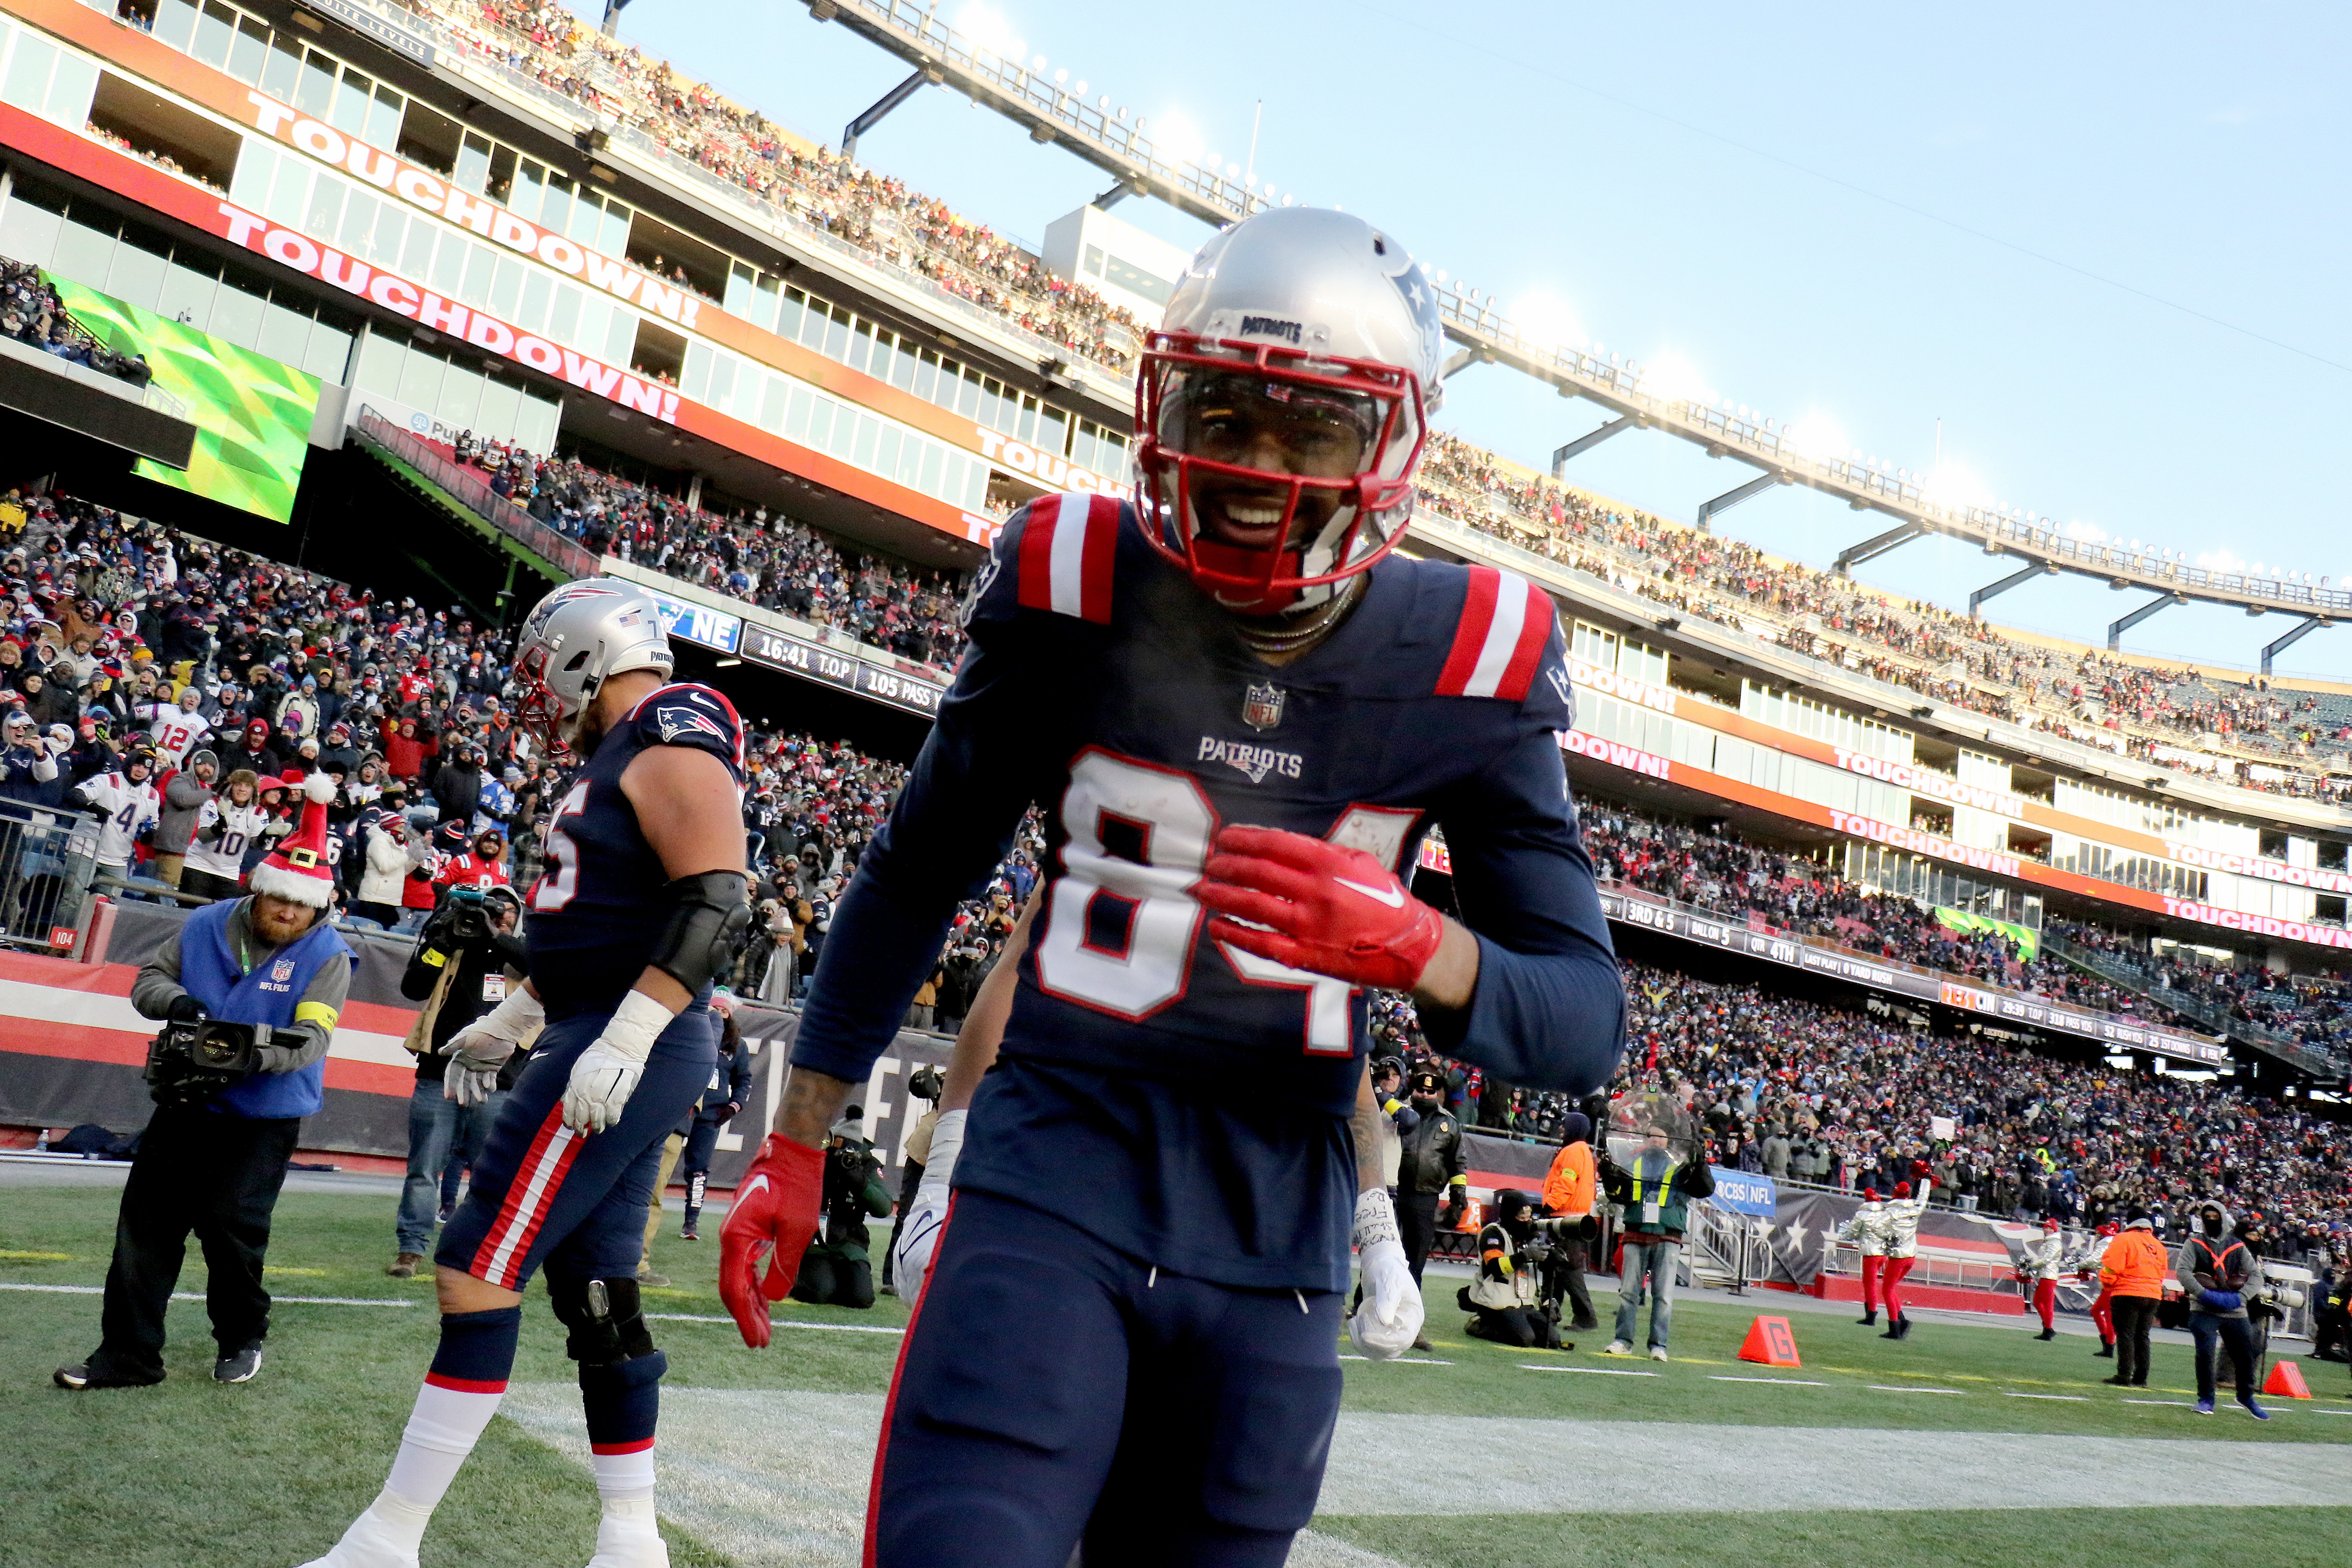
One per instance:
[(127, 805), (226, 829), (177, 728)]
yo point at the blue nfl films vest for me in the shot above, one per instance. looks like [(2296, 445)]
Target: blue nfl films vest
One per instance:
[(268, 996)]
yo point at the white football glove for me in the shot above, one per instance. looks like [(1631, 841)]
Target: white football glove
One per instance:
[(919, 1227), (605, 1074), (478, 1050), (1388, 1323)]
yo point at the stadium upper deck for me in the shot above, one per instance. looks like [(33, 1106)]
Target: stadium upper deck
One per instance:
[(489, 221)]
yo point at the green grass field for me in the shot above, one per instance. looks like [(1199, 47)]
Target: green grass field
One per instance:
[(190, 1472)]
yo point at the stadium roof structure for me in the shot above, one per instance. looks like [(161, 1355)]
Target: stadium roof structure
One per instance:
[(1053, 114)]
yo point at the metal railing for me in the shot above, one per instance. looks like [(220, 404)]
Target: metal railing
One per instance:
[(2146, 981), (46, 858), (474, 492)]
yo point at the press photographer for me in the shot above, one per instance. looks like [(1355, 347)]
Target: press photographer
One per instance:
[(465, 959), (1507, 1303), (250, 990)]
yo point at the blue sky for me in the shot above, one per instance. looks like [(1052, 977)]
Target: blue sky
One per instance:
[(2102, 244)]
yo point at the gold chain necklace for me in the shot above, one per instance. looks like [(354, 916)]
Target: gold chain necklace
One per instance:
[(1309, 625)]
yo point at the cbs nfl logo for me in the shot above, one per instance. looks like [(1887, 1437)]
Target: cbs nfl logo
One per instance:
[(1262, 705)]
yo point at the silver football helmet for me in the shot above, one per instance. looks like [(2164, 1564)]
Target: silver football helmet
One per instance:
[(574, 641), (1282, 407)]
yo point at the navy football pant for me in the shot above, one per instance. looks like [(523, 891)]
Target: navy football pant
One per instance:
[(574, 1201), (1052, 1388)]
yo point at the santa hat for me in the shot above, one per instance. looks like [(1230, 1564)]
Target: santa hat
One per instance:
[(1902, 1189), (297, 870)]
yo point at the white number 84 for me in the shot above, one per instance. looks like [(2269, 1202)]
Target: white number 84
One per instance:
[(1171, 824)]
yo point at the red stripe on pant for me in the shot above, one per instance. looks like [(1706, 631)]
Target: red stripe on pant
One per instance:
[(529, 1197), (1897, 1267), (890, 1402), (2045, 1301), (1872, 1267)]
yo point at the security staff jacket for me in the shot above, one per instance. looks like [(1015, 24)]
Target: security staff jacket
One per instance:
[(1657, 1178), (1432, 1158)]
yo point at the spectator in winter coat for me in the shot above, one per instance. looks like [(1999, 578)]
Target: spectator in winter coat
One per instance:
[(405, 747), (458, 785), (384, 842), (252, 751), (184, 802)]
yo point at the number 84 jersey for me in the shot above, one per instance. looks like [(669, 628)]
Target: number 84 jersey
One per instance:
[(1102, 684)]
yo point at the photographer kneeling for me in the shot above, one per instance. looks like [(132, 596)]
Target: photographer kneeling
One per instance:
[(466, 960), (1505, 1302), (251, 989)]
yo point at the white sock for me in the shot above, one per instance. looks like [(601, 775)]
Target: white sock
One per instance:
[(442, 1430), (624, 1476)]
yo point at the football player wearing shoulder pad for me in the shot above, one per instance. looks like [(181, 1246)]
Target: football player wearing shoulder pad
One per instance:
[(1239, 712), (641, 904)]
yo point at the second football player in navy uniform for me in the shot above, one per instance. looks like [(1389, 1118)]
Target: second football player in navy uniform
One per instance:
[(1241, 714), (641, 903)]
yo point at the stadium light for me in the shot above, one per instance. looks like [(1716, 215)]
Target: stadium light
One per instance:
[(1670, 378), (1546, 323)]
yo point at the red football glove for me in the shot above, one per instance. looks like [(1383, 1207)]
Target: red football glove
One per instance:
[(1330, 910), (773, 1218)]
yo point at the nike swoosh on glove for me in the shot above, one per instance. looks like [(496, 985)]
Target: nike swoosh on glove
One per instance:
[(605, 1074), (919, 1227), (1388, 1323), (1323, 908), (772, 1218)]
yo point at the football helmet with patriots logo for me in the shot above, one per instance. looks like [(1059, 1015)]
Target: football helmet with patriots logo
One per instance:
[(1282, 407), (574, 641)]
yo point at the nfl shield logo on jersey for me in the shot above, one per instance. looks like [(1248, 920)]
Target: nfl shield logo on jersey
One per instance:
[(282, 971), (1262, 705)]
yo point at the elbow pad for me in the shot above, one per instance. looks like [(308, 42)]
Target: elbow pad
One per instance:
[(707, 920)]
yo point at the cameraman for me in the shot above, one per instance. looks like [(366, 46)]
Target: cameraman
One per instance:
[(213, 1158), (1504, 1302), (464, 962), (838, 1270)]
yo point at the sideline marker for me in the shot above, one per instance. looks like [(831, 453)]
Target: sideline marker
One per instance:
[(1770, 1343), (2285, 1381)]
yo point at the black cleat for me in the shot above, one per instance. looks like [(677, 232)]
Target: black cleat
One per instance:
[(1868, 1319), (239, 1366), (2106, 1351), (2047, 1334)]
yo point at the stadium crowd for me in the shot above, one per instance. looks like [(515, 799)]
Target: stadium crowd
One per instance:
[(1826, 1094), (130, 655), (1790, 893), (560, 51), (766, 560), (2150, 715)]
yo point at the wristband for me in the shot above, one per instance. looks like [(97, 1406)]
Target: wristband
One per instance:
[(1375, 1219)]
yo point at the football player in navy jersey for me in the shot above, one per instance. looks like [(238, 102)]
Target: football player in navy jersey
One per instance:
[(1240, 714), (641, 904)]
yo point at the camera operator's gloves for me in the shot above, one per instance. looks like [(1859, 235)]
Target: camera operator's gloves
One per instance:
[(2220, 1300), (605, 1074), (919, 1227), (478, 1050), (1329, 910), (1388, 1323), (772, 1219), (185, 1009)]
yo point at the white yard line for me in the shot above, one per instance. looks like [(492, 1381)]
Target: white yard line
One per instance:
[(2076, 1398), (1791, 1382), (1594, 1371), (1901, 1388)]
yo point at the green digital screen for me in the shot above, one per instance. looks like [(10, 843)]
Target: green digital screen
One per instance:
[(252, 414)]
